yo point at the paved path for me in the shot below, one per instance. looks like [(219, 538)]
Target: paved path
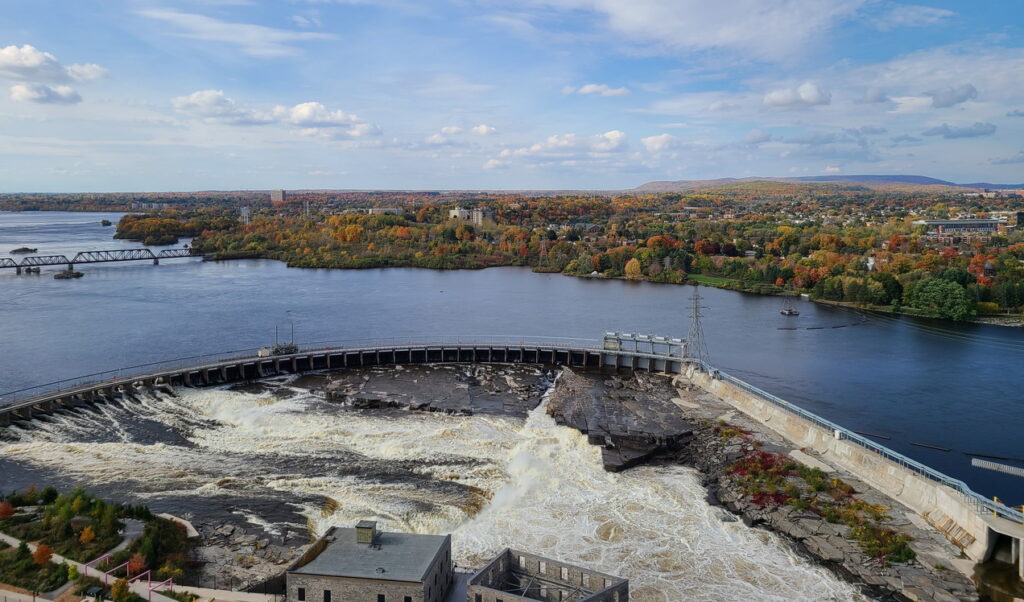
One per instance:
[(226, 595), (139, 587)]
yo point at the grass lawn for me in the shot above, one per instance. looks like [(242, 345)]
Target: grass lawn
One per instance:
[(709, 280)]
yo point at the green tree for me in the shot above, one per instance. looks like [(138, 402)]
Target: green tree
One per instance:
[(940, 298)]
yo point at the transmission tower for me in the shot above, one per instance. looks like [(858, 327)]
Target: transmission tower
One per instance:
[(695, 345)]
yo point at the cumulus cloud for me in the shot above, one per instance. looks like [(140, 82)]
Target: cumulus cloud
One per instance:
[(948, 97), (911, 15), (495, 164), (483, 129), (448, 130), (970, 131), (215, 107), (312, 118), (833, 169), (28, 63), (254, 40), (437, 140), (660, 143), (807, 94), (43, 94), (600, 90), (567, 146)]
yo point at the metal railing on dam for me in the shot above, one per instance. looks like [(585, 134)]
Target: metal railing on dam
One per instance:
[(614, 352)]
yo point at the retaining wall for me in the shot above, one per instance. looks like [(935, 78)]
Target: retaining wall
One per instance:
[(953, 513)]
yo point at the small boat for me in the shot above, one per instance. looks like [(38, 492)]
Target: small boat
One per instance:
[(67, 275), (788, 309), (23, 251)]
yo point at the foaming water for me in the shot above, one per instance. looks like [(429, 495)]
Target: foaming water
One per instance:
[(491, 481)]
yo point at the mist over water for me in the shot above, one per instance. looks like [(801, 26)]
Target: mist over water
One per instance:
[(284, 459)]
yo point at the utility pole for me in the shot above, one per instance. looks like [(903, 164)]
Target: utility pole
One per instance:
[(696, 348)]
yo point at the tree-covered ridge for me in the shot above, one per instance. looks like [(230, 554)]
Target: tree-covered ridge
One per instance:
[(843, 244)]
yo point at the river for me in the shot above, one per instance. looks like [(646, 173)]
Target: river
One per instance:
[(953, 386)]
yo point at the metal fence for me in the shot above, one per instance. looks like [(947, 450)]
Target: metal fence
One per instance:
[(980, 502)]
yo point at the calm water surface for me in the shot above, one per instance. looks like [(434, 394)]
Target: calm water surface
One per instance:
[(956, 386)]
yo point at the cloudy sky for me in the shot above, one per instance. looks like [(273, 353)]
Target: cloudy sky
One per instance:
[(126, 95)]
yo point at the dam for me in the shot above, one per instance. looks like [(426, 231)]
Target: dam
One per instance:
[(975, 524)]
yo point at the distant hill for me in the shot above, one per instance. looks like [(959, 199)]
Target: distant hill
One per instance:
[(870, 181)]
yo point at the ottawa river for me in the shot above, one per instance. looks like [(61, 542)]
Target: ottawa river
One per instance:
[(948, 385)]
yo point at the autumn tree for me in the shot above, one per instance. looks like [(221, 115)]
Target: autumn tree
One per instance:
[(42, 555), (87, 536), (6, 510), (119, 591), (633, 269), (136, 564)]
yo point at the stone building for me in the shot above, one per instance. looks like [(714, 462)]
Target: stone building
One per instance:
[(367, 565), (513, 576)]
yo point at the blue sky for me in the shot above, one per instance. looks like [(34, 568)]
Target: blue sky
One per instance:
[(150, 95)]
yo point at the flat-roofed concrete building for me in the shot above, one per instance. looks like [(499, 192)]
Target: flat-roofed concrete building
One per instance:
[(278, 196), (514, 576), (367, 565), (951, 226)]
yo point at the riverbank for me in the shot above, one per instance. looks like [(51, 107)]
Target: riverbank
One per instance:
[(1009, 321)]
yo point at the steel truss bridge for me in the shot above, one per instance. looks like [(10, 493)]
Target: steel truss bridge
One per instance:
[(35, 261)]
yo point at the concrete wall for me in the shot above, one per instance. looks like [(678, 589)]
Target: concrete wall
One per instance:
[(950, 511)]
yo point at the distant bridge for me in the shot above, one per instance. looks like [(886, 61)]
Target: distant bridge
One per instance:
[(35, 261)]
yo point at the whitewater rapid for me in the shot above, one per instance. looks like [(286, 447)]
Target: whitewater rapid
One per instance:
[(490, 481)]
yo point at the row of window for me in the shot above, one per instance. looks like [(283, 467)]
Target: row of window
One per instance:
[(301, 594)]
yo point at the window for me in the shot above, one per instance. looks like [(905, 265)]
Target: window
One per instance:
[(381, 598), (327, 595), (407, 599), (565, 574), (477, 598), (302, 594)]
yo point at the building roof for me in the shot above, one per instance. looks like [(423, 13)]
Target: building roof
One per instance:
[(402, 556)]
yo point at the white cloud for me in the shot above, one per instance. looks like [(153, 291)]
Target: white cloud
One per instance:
[(28, 63), (660, 143), (754, 29), (313, 118), (757, 136), (807, 94), (254, 40), (601, 90), (436, 140), (214, 106), (568, 146), (495, 164), (969, 131), (947, 97), (43, 94), (449, 130), (832, 169), (911, 15), (873, 95), (483, 129)]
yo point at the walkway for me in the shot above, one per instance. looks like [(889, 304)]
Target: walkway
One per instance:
[(139, 587)]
